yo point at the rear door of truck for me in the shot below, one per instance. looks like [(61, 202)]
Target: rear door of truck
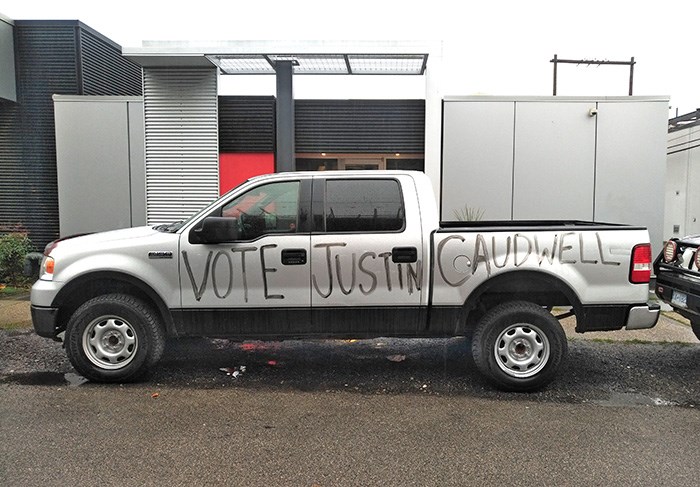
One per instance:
[(366, 255)]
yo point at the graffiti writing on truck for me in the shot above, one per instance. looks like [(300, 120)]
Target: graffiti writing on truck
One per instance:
[(457, 260), (455, 254), (413, 275), (365, 273)]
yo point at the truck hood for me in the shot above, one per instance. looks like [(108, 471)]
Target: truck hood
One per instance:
[(101, 239)]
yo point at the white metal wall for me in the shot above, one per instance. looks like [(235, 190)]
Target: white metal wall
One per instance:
[(478, 158), (557, 158), (682, 198), (554, 172), (182, 149), (630, 165)]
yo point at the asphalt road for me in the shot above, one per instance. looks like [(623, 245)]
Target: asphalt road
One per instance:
[(384, 411)]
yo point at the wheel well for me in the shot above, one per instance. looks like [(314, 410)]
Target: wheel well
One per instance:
[(532, 286), (84, 288)]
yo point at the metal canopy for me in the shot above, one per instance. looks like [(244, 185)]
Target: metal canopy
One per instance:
[(389, 64)]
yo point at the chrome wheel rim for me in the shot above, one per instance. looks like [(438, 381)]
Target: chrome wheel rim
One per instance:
[(522, 350), (110, 342)]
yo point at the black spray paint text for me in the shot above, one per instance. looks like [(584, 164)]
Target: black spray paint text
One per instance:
[(336, 270), (519, 249), (413, 275)]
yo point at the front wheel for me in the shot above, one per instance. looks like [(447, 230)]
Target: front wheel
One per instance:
[(114, 338), (519, 346)]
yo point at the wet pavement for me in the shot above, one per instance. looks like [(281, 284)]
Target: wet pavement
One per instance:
[(346, 412), (663, 373)]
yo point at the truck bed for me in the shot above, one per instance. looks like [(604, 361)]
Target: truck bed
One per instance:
[(524, 225)]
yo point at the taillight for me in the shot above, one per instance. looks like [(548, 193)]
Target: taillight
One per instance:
[(670, 251), (640, 268)]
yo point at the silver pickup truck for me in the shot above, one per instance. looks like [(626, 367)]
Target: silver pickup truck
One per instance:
[(337, 255)]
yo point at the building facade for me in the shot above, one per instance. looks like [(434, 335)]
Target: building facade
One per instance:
[(48, 57)]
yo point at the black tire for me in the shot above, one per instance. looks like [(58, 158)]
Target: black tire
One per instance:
[(695, 325), (519, 346), (114, 338)]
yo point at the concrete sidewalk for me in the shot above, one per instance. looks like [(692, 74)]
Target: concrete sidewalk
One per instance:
[(15, 310), (670, 328)]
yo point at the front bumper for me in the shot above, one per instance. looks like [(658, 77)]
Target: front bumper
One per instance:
[(43, 308), (668, 283), (45, 321)]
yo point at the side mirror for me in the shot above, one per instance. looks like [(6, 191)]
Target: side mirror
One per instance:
[(216, 229)]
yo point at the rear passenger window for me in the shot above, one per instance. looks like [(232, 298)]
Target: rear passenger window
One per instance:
[(364, 205)]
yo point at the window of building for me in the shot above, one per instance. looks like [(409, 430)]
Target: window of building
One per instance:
[(316, 164), (406, 164), (330, 161)]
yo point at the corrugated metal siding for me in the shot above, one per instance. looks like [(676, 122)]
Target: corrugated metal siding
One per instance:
[(182, 169), (46, 64), (246, 124), (46, 54), (360, 125), (104, 70), (11, 176)]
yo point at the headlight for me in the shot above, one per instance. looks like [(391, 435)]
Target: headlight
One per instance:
[(47, 268), (670, 251)]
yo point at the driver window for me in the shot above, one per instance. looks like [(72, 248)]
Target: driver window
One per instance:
[(270, 208)]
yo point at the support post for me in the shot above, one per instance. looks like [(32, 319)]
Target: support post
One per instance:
[(631, 75), (284, 118)]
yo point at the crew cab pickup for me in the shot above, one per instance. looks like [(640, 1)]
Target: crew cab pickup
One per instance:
[(338, 255), (677, 270)]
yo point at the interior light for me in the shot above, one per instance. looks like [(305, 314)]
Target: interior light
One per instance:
[(397, 154), (323, 153)]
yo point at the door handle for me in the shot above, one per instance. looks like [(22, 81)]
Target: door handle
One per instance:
[(404, 255), (294, 256)]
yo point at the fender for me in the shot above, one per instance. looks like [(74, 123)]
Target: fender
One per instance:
[(91, 284), (539, 287)]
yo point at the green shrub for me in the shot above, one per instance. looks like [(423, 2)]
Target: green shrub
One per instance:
[(14, 247)]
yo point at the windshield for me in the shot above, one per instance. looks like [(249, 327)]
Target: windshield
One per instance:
[(175, 226)]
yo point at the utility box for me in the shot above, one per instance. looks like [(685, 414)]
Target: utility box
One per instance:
[(100, 163), (556, 158), (8, 84)]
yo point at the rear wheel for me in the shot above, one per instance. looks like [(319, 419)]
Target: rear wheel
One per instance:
[(519, 346), (114, 338), (695, 325)]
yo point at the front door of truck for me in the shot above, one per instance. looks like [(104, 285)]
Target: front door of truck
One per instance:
[(258, 282), (366, 256)]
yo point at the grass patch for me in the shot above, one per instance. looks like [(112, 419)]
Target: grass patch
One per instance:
[(11, 291), (22, 325), (676, 317), (637, 341)]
